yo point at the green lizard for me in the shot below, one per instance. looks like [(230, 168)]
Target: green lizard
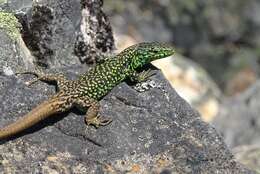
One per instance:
[(91, 86)]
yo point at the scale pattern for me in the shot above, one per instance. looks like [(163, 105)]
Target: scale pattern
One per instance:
[(101, 79), (90, 87)]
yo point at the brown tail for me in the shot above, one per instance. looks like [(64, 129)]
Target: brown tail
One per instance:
[(39, 113)]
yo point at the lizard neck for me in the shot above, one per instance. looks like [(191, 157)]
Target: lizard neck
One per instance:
[(132, 59)]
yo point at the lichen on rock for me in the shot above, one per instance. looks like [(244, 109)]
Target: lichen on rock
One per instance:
[(10, 24)]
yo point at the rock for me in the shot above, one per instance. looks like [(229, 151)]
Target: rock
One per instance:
[(46, 29), (238, 119), (16, 5), (249, 156), (239, 123), (153, 132), (192, 83), (95, 37), (13, 51), (55, 29)]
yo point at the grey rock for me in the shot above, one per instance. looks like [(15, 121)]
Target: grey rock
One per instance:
[(13, 54), (238, 119), (95, 39), (155, 130), (55, 29), (249, 155), (16, 5), (49, 31)]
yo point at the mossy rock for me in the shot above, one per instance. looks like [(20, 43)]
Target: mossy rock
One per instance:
[(9, 24)]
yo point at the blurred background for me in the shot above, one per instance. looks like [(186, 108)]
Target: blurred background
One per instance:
[(216, 68)]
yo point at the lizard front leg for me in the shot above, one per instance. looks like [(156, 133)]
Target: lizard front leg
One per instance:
[(58, 78), (142, 76), (92, 117)]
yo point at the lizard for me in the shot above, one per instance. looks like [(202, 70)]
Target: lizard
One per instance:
[(90, 87)]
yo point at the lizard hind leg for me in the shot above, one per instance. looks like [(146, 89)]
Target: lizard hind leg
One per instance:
[(40, 76), (92, 115)]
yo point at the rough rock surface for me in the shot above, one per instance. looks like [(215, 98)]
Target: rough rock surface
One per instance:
[(95, 35), (77, 29), (249, 156), (13, 51), (192, 83), (239, 123), (49, 29), (153, 132), (239, 120)]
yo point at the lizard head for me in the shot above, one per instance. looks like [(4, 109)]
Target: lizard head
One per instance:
[(143, 53)]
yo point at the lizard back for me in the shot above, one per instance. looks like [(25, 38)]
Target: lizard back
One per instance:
[(98, 81)]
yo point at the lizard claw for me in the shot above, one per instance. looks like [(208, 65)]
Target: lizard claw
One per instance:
[(38, 75), (28, 72), (98, 121), (29, 83)]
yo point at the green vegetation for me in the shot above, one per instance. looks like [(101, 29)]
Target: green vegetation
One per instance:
[(10, 24)]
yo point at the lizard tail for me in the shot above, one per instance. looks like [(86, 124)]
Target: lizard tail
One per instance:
[(39, 113)]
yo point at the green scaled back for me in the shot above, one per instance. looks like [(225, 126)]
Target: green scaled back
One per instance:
[(101, 79)]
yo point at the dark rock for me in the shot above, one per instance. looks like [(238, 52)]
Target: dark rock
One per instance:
[(239, 120), (153, 132), (95, 36), (52, 30), (49, 31), (156, 128)]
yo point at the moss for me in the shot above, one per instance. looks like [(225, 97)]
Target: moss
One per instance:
[(10, 24)]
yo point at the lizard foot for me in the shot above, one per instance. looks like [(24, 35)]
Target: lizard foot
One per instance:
[(29, 83), (98, 121), (37, 74)]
